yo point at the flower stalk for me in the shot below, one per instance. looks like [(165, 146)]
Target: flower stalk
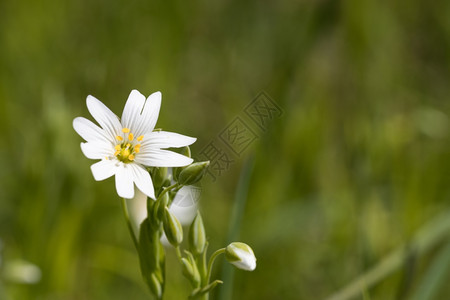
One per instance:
[(129, 225)]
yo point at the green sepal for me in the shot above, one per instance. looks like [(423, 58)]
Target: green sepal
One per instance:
[(192, 173), (156, 286), (197, 235), (160, 206), (159, 176), (232, 256), (151, 207), (186, 151), (190, 270), (172, 228)]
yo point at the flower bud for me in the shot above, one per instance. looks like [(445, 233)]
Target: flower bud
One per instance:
[(148, 247), (190, 271), (186, 151), (151, 257), (193, 173), (159, 175), (160, 207), (197, 236), (155, 286), (241, 256), (167, 182), (172, 228)]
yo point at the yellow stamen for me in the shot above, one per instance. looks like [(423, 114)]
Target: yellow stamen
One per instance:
[(131, 157), (117, 147), (128, 145), (119, 138), (125, 130), (106, 157), (140, 138), (116, 153), (130, 137), (136, 150)]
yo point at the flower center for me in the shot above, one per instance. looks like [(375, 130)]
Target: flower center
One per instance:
[(126, 149)]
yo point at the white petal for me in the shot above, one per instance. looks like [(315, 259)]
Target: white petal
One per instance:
[(162, 158), (164, 139), (97, 150), (151, 112), (88, 130), (143, 180), (124, 181), (104, 169), (104, 116), (131, 116), (185, 204), (138, 207)]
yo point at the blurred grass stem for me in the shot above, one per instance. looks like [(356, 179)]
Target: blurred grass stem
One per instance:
[(427, 237), (237, 214)]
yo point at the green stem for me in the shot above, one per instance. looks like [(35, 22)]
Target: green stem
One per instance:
[(201, 263), (204, 296), (130, 226), (178, 251), (165, 190), (211, 262), (205, 273)]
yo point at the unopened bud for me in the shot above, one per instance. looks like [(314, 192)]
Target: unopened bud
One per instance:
[(197, 236), (190, 271), (148, 247), (241, 256), (193, 173), (159, 175), (186, 151), (155, 286), (172, 228), (161, 206)]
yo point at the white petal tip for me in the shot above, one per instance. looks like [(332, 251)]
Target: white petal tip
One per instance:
[(135, 92), (127, 194), (76, 123), (192, 140), (103, 170), (150, 194), (156, 96), (91, 98)]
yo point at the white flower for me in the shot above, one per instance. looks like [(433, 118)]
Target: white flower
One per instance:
[(241, 256), (127, 145)]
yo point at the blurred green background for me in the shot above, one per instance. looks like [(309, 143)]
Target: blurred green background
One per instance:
[(356, 165)]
